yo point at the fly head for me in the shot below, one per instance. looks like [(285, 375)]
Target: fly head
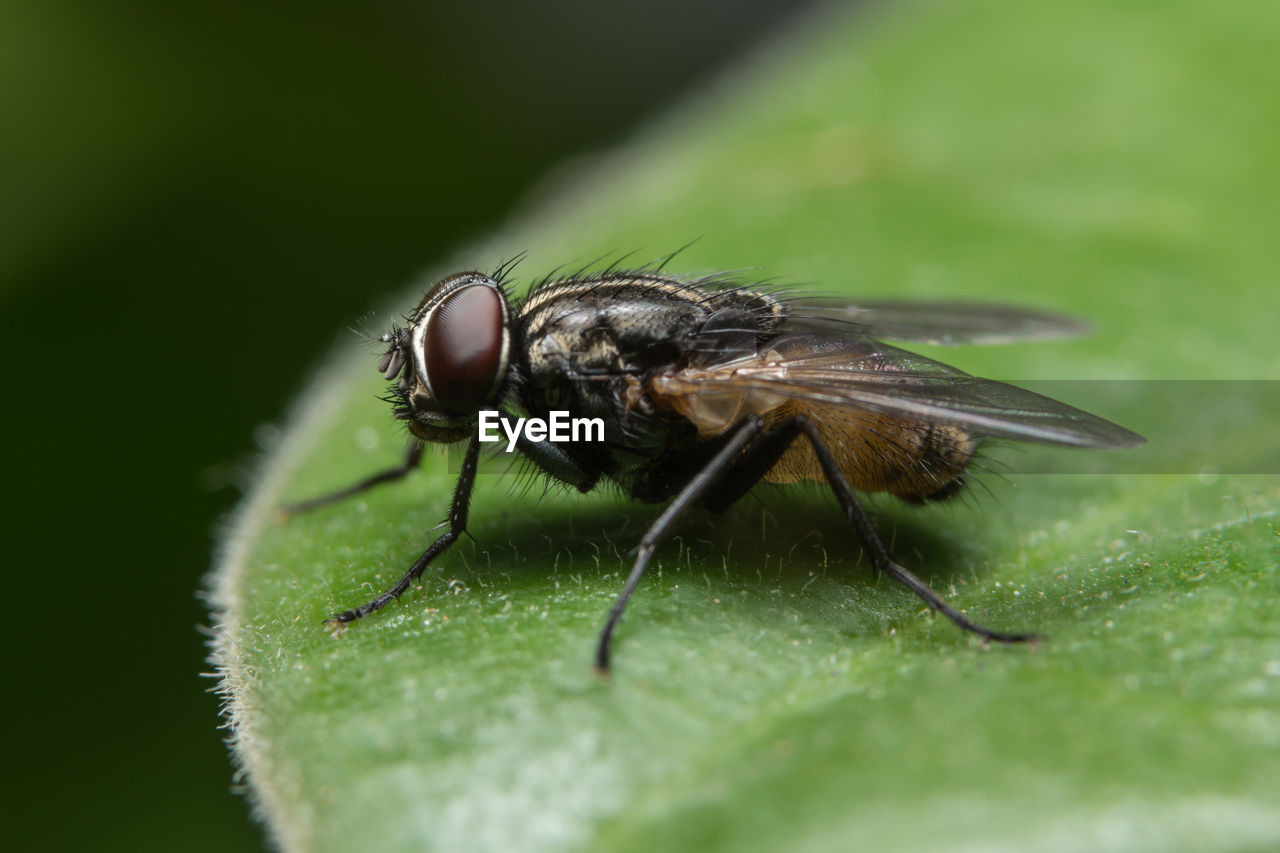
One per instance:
[(451, 360)]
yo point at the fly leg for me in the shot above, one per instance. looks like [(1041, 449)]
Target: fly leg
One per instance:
[(457, 526), (768, 449), (411, 459), (687, 496)]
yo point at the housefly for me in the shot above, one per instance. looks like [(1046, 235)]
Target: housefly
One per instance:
[(706, 387)]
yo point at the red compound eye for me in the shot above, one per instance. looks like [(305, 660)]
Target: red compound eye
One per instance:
[(463, 348)]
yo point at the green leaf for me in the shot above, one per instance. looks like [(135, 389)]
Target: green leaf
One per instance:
[(1115, 160)]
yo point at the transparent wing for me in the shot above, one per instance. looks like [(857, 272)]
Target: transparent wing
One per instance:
[(933, 322), (827, 370)]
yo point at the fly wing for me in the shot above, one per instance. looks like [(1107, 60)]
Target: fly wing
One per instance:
[(867, 375), (933, 322)]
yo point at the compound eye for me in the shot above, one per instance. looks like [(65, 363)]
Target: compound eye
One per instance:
[(464, 348)]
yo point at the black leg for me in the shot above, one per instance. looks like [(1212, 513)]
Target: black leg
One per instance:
[(560, 464), (411, 459), (457, 525), (768, 448), (688, 495), (880, 556), (749, 468)]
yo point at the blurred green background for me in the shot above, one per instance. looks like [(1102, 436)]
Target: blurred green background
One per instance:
[(194, 200)]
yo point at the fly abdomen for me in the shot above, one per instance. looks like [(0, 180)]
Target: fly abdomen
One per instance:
[(944, 454), (877, 453)]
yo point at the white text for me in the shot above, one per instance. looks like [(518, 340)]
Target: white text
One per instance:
[(559, 427)]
